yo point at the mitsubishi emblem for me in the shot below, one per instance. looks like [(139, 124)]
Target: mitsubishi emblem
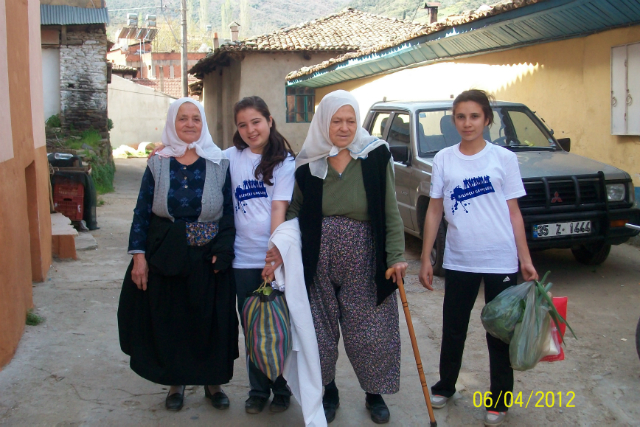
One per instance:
[(556, 198)]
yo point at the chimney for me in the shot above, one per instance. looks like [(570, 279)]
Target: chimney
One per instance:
[(216, 41), (432, 7), (234, 31)]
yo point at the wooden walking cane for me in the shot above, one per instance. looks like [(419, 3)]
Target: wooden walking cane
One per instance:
[(414, 344)]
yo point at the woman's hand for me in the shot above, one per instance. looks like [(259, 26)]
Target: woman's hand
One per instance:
[(426, 274), (399, 270), (213, 261), (140, 271), (528, 271), (273, 260), (155, 150)]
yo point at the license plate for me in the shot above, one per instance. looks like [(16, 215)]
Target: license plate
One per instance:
[(561, 229)]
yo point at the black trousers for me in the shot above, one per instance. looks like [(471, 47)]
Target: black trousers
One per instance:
[(460, 293), (248, 280)]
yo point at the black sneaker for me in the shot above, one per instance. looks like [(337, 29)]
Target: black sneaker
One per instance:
[(280, 403), (379, 410), (255, 404)]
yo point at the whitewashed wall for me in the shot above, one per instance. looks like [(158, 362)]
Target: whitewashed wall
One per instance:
[(51, 81), (138, 112)]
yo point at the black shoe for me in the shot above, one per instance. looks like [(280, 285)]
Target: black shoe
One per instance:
[(219, 399), (174, 401), (255, 404), (280, 403), (379, 410), (330, 401)]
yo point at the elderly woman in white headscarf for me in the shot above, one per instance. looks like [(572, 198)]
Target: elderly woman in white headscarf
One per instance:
[(351, 231), (177, 317)]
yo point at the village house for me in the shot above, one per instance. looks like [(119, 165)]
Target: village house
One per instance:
[(25, 228), (259, 65), (575, 62), (161, 71), (74, 48)]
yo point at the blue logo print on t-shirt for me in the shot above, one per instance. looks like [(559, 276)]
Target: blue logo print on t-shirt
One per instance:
[(250, 189), (473, 187)]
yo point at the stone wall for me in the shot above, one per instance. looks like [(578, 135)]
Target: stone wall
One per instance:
[(83, 78)]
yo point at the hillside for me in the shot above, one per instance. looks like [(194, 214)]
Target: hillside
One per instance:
[(264, 15), (259, 16), (413, 10)]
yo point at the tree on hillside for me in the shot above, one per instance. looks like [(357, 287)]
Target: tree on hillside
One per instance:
[(226, 15), (190, 11), (245, 19), (203, 14)]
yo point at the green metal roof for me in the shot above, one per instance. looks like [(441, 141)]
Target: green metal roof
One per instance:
[(70, 15), (542, 22)]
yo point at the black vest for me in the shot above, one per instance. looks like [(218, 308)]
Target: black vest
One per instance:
[(374, 174)]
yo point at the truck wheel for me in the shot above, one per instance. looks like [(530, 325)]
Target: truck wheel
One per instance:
[(437, 253), (591, 254)]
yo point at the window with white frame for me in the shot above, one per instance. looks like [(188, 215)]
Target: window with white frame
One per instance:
[(625, 89)]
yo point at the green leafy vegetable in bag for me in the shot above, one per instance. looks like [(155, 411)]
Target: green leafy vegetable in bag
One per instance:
[(500, 316), (531, 333)]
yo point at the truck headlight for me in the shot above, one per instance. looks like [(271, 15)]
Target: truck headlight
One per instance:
[(615, 192)]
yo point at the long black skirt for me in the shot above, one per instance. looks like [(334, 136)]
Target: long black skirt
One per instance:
[(183, 329)]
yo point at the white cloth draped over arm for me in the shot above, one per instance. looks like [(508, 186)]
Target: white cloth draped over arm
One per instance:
[(302, 367)]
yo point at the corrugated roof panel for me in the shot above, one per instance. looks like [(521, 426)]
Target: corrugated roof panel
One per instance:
[(627, 7), (69, 15)]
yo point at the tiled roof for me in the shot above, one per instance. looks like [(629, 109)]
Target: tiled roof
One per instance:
[(195, 89), (171, 87), (417, 31), (119, 67), (69, 15), (349, 30)]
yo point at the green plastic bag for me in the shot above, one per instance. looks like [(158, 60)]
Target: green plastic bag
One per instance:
[(500, 316), (530, 335)]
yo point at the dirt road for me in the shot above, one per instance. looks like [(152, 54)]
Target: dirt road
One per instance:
[(70, 371)]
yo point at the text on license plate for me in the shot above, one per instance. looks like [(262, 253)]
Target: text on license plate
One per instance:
[(561, 229)]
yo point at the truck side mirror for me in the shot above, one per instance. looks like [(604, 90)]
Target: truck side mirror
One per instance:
[(400, 153), (565, 143)]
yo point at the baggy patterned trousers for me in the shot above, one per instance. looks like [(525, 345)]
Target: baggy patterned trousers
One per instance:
[(343, 296)]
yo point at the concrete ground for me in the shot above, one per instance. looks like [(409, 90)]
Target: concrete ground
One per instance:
[(69, 371)]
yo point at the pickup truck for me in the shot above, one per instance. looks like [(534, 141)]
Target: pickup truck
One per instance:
[(572, 201)]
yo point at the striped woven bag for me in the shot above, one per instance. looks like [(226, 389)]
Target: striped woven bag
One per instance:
[(267, 329)]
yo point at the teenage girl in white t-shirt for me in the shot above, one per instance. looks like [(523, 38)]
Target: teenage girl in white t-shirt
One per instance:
[(262, 169), (476, 185)]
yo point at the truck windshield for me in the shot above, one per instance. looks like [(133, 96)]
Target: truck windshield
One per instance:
[(515, 128)]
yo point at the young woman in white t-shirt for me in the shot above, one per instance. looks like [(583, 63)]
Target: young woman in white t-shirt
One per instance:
[(476, 185), (262, 169)]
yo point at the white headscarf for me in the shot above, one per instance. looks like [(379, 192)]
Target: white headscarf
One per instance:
[(175, 147), (318, 146)]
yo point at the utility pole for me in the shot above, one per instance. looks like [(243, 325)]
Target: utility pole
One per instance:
[(183, 56)]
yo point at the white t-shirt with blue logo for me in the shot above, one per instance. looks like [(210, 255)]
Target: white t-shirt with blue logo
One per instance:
[(475, 190), (252, 204)]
